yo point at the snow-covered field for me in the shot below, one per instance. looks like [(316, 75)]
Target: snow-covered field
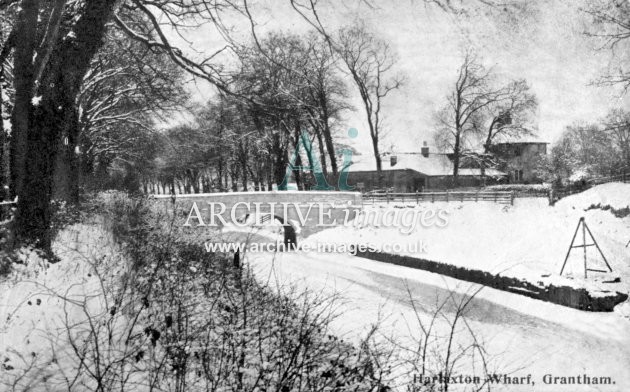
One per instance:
[(529, 240)]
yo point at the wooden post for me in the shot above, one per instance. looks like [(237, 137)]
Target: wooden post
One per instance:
[(417, 198), (570, 246), (447, 195), (598, 248), (584, 244), (512, 199)]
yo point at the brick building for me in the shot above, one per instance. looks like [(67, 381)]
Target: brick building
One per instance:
[(520, 159), (413, 171)]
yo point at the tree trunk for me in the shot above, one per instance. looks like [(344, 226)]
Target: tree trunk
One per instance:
[(72, 157), (379, 162), (4, 163), (456, 156), (281, 159), (61, 81), (23, 82), (234, 182), (325, 117), (322, 154), (330, 147), (245, 177)]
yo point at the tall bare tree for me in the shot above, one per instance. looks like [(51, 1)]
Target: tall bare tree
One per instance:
[(474, 101), (370, 61), (328, 98), (509, 117)]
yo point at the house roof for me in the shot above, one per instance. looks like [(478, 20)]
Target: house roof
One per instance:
[(532, 138), (522, 142), (433, 165)]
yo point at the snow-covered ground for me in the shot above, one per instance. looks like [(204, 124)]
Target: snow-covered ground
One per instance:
[(39, 300), (614, 194), (528, 240), (521, 336)]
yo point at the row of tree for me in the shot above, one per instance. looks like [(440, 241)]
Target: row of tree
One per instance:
[(290, 93), (84, 83)]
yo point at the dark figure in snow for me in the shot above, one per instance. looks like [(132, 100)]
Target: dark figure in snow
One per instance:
[(236, 261), (290, 238)]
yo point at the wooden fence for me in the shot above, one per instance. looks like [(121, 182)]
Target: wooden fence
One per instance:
[(501, 197), (559, 193), (623, 177)]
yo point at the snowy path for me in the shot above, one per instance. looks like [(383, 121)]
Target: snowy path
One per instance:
[(524, 336)]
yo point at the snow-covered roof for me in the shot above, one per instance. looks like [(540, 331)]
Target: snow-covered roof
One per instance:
[(530, 136), (433, 165), (525, 139)]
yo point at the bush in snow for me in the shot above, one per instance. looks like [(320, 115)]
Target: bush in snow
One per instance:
[(162, 313)]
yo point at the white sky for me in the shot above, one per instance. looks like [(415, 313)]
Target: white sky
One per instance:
[(547, 48)]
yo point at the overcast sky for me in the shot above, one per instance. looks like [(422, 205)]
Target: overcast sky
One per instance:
[(543, 44)]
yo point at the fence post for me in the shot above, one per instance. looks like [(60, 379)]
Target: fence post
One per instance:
[(387, 196), (447, 196), (495, 197), (417, 198), (512, 198), (432, 197), (477, 196)]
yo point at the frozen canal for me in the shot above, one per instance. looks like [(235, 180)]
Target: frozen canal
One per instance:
[(522, 336)]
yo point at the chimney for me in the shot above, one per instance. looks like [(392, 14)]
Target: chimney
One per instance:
[(425, 150), (393, 160)]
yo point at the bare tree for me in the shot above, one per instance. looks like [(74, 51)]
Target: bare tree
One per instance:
[(508, 117), (125, 90), (617, 126), (56, 43), (610, 25), (370, 61), (473, 99), (328, 96)]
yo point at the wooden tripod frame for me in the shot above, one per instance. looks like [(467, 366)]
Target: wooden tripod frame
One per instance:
[(584, 245)]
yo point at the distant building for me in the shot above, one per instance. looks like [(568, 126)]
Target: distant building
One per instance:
[(520, 159), (413, 171)]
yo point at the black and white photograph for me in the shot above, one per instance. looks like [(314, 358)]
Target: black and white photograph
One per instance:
[(314, 195)]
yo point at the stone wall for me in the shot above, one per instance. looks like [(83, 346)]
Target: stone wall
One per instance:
[(577, 298)]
